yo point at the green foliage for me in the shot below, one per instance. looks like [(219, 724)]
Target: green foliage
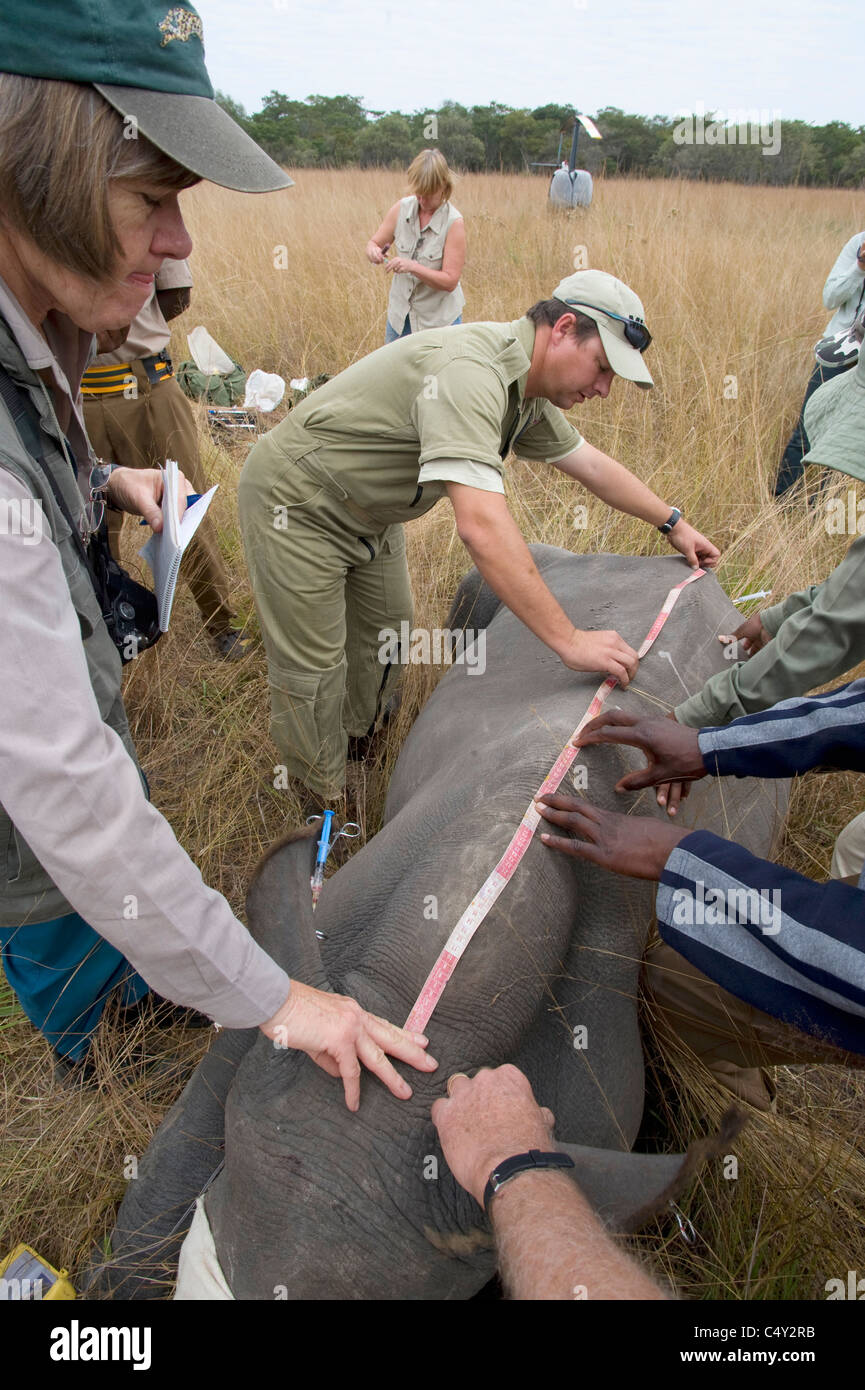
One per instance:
[(334, 132)]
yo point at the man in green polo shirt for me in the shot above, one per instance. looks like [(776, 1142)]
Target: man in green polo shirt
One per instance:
[(322, 497)]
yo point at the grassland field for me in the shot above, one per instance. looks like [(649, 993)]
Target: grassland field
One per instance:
[(731, 279)]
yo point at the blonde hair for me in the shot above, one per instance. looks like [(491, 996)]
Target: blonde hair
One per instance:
[(429, 174), (60, 144)]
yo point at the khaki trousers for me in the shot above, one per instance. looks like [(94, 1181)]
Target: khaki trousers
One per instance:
[(142, 431), (324, 590), (697, 1019)]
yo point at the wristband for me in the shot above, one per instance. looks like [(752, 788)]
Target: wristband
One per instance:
[(675, 515), (521, 1163)]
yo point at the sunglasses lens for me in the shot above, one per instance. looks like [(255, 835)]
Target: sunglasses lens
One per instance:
[(638, 336)]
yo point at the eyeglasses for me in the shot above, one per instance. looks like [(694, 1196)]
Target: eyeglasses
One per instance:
[(636, 332), (95, 509)]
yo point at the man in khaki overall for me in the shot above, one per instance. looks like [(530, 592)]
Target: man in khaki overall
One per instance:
[(137, 415), (321, 499)]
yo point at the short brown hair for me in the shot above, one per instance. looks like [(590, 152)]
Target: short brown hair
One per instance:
[(428, 174), (549, 311), (60, 143)]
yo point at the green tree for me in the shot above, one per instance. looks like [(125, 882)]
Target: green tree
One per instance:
[(387, 141)]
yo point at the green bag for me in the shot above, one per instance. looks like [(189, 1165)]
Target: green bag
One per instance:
[(216, 389)]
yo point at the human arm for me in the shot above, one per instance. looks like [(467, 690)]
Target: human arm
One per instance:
[(822, 638), (550, 1243), (783, 943), (620, 488), (847, 275), (453, 261), (382, 238), (75, 798), (821, 731), (496, 545)]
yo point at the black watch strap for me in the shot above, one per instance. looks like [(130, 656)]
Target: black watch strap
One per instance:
[(675, 515), (521, 1163)]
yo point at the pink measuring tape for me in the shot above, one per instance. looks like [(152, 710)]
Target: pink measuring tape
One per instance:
[(507, 865)]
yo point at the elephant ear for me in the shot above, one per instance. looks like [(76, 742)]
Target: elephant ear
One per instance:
[(279, 907), (627, 1190)]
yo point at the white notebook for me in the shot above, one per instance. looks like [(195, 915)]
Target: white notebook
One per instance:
[(164, 551)]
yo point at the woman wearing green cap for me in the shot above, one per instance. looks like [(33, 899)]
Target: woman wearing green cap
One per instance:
[(106, 113)]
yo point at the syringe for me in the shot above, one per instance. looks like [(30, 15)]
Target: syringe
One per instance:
[(317, 879)]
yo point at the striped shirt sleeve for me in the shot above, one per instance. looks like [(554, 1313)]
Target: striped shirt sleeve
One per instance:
[(817, 731), (781, 942)]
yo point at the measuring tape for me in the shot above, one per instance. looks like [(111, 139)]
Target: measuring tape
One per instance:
[(507, 865)]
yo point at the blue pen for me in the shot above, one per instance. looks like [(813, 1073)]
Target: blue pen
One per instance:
[(317, 879)]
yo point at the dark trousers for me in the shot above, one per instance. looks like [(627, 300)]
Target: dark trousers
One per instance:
[(791, 467)]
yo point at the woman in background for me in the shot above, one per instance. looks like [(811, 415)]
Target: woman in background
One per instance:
[(428, 235)]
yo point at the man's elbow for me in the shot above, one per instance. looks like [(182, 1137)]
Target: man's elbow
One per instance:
[(473, 533)]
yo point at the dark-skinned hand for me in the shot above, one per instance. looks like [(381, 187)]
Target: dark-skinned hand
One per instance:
[(635, 845), (672, 750)]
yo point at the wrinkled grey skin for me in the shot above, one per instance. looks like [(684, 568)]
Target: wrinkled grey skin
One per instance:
[(314, 1202)]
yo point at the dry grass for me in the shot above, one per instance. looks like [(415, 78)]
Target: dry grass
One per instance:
[(730, 279)]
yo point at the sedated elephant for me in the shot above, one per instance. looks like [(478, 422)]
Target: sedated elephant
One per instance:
[(314, 1202)]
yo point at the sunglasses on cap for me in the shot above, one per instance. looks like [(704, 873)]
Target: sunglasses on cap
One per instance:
[(636, 333)]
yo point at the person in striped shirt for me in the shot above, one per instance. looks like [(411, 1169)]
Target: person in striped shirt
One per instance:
[(757, 964)]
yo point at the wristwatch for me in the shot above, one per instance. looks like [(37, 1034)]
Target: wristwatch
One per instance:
[(521, 1163), (675, 515)]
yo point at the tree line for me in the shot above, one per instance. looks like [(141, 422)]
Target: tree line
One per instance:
[(335, 132)]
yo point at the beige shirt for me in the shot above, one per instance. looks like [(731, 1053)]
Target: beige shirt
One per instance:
[(149, 333), (68, 784), (424, 306)]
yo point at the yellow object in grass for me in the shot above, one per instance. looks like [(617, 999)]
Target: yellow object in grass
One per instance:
[(26, 1277)]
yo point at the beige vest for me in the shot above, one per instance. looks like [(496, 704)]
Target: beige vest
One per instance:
[(409, 296)]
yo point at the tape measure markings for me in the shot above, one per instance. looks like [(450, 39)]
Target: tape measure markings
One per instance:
[(501, 875)]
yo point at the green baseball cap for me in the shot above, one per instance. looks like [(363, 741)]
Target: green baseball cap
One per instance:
[(145, 57), (835, 423), (609, 301)]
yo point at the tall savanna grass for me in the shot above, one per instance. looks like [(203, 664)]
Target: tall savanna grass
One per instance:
[(730, 278)]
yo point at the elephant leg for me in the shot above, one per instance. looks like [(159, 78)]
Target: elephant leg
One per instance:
[(184, 1156), (475, 604)]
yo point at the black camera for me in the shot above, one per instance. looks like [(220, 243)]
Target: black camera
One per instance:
[(129, 609)]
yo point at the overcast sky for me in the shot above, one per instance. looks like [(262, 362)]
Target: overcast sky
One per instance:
[(802, 58)]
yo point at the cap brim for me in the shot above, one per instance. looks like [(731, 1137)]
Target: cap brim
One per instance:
[(200, 136), (625, 360)]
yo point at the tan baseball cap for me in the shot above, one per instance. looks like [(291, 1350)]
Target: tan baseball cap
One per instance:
[(617, 311)]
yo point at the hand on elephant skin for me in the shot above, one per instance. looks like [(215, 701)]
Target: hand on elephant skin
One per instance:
[(635, 845), (673, 757), (751, 633), (600, 651), (486, 1119), (338, 1035), (697, 550)]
